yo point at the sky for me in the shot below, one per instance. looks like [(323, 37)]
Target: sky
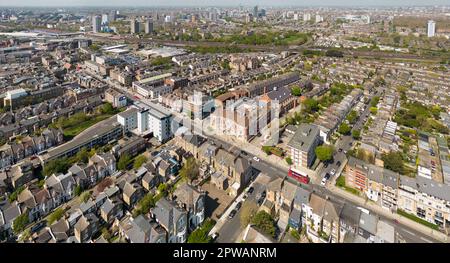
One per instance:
[(130, 3)]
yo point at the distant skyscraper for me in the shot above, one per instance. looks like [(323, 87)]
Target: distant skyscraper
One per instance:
[(105, 19), (134, 26), (431, 28), (148, 26), (248, 18), (96, 23), (319, 18), (295, 16), (263, 12), (255, 11), (306, 16), (112, 16), (213, 16), (194, 18)]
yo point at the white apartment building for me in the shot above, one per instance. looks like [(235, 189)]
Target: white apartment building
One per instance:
[(431, 28), (425, 199), (147, 118), (128, 119)]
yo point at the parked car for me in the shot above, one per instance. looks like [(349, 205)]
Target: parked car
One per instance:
[(323, 182), (250, 190), (333, 172), (338, 163), (325, 165), (238, 206), (263, 194), (261, 200), (232, 214), (340, 150), (38, 226), (214, 236)]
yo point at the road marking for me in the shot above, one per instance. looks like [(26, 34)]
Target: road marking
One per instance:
[(426, 240), (409, 232)]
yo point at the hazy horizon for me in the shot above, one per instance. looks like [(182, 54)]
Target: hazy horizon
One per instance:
[(183, 3)]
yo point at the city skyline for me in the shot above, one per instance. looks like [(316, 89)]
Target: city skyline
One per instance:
[(179, 3)]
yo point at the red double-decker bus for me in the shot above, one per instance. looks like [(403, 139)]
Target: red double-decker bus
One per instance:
[(302, 178)]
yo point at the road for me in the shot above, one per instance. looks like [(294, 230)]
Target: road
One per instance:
[(231, 228), (346, 142)]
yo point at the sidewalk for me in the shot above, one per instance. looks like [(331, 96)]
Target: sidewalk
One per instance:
[(381, 211), (254, 150), (223, 219)]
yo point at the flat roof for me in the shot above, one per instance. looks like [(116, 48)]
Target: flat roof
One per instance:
[(87, 135)]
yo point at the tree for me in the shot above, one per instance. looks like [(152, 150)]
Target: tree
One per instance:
[(324, 153), (344, 129), (248, 210), (107, 108), (56, 166), (20, 222), (162, 189), (139, 161), (82, 156), (296, 91), (263, 221), (13, 196), (105, 233), (200, 235), (373, 110), (311, 105), (189, 171), (144, 205), (25, 235), (393, 161), (352, 117), (55, 216), (356, 134), (334, 53), (289, 160), (123, 162), (78, 190), (85, 196)]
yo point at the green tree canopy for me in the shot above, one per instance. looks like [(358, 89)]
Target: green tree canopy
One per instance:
[(123, 162), (139, 161), (56, 166), (356, 134), (263, 221), (144, 205), (352, 117), (393, 161), (324, 152), (200, 235), (189, 170), (311, 105), (82, 156), (55, 216), (344, 129), (296, 91), (85, 196), (20, 223)]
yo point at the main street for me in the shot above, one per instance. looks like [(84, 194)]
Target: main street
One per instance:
[(231, 229)]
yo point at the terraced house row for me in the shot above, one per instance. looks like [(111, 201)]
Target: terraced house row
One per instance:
[(419, 196)]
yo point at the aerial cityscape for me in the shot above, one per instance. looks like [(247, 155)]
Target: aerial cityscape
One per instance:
[(237, 122)]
